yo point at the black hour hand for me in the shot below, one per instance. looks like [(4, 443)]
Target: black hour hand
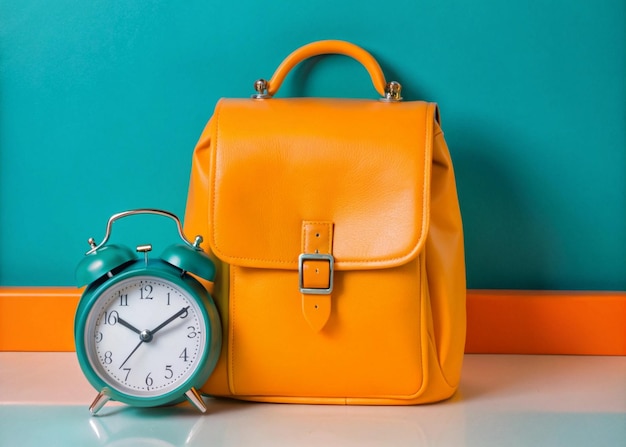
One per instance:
[(126, 324)]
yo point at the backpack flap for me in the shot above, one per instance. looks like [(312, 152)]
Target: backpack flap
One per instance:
[(359, 168)]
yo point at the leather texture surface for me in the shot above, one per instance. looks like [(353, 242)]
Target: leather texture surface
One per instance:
[(368, 182), (281, 161)]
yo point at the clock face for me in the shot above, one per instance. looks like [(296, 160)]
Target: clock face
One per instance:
[(145, 336)]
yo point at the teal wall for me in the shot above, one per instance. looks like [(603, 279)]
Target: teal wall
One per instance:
[(101, 104)]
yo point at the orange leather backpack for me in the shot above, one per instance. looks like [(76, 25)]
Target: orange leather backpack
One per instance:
[(336, 230)]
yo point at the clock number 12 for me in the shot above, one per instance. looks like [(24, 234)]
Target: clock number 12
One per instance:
[(148, 292)]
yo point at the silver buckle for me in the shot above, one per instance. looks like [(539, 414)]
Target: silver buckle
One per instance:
[(315, 257)]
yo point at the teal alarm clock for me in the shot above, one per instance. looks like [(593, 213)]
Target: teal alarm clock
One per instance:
[(147, 332)]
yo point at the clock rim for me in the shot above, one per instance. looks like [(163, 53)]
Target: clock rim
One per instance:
[(161, 270)]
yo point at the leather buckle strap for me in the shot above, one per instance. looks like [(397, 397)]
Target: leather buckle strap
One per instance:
[(322, 267), (316, 267)]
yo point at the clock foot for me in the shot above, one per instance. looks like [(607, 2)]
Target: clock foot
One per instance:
[(194, 397), (101, 399)]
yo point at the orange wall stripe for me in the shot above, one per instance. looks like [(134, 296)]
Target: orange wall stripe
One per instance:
[(546, 322), (498, 321), (37, 318)]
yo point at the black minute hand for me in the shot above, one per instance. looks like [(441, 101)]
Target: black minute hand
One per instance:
[(169, 320)]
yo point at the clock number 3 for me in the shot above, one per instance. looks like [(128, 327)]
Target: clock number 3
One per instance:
[(192, 332)]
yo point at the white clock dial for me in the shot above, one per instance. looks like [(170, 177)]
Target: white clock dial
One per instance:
[(145, 336)]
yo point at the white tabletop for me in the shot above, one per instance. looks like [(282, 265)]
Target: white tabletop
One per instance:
[(503, 400)]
